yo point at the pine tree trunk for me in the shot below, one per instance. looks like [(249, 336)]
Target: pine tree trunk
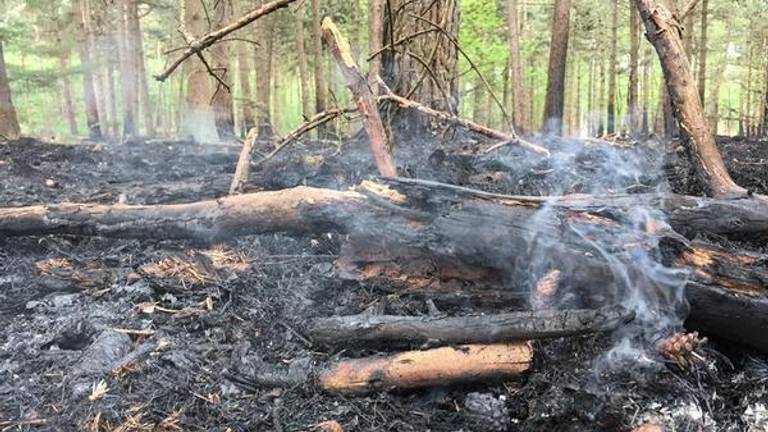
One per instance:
[(264, 76), (91, 107), (66, 86), (303, 65), (703, 51), (764, 126), (317, 58), (244, 73), (600, 108), (516, 69), (137, 37), (375, 36), (647, 65), (612, 68), (197, 116), (113, 63), (222, 98), (558, 51), (9, 123), (96, 56), (634, 54), (128, 69)]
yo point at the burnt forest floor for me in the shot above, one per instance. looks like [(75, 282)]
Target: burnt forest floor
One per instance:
[(101, 333)]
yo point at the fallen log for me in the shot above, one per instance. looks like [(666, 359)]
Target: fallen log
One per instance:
[(433, 232), (430, 368), (391, 330), (403, 371)]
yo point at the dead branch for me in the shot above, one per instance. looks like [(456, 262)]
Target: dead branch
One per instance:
[(364, 97), (314, 122), (452, 119), (366, 329), (434, 367), (208, 39)]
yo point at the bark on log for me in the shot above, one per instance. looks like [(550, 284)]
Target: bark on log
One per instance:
[(430, 368), (450, 232), (391, 330), (364, 98)]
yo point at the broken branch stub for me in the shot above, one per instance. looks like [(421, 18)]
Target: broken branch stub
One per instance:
[(364, 97)]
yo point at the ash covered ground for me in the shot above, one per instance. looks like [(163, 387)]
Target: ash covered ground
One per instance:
[(99, 334)]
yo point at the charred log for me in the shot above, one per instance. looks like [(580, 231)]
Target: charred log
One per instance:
[(429, 330), (432, 233)]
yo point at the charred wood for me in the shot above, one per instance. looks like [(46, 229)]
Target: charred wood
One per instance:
[(435, 330)]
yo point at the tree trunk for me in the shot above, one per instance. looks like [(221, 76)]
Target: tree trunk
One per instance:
[(764, 125), (634, 54), (612, 68), (137, 37), (558, 51), (263, 63), (128, 68), (375, 37), (197, 116), (317, 58), (303, 65), (244, 71), (84, 50), (66, 85), (222, 98), (422, 57), (703, 52), (9, 123), (647, 66), (441, 233), (516, 69), (661, 31), (113, 63)]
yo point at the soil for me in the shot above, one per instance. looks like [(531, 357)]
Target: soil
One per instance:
[(99, 334)]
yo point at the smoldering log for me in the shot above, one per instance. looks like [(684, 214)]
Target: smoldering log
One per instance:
[(468, 235), (367, 329)]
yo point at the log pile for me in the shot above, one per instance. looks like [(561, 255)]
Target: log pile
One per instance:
[(425, 230)]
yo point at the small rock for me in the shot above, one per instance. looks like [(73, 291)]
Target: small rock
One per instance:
[(51, 183)]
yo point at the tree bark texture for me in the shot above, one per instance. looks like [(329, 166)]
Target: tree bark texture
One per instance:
[(633, 116), (558, 50), (85, 51), (516, 69), (612, 68), (9, 123)]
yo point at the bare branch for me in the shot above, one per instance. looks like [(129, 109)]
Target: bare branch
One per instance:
[(208, 39)]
